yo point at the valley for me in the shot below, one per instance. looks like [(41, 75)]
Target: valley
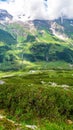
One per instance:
[(36, 74)]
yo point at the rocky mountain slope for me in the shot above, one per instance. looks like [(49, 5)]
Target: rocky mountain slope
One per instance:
[(5, 16), (38, 44)]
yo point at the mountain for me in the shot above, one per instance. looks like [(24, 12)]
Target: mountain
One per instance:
[(37, 44), (5, 16)]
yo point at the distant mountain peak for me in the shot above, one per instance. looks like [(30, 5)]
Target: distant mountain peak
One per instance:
[(5, 16)]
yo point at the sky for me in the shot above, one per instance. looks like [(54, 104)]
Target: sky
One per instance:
[(38, 9)]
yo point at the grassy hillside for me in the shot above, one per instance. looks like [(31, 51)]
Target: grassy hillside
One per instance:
[(27, 45), (42, 98), (7, 37)]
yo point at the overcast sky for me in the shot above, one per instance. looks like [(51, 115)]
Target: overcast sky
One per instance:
[(38, 9)]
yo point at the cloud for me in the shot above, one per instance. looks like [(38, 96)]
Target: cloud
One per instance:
[(38, 9), (58, 7)]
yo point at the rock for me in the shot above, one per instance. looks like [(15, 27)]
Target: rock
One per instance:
[(32, 71), (70, 122), (65, 86), (2, 117), (33, 127), (54, 84), (9, 124), (42, 82), (2, 82)]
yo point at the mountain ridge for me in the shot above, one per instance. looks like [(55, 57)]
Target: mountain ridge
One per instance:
[(38, 43)]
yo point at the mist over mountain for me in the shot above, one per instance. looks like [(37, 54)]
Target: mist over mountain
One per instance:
[(42, 10), (36, 34)]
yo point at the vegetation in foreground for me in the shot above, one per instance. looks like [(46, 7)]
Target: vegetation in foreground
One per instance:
[(42, 98)]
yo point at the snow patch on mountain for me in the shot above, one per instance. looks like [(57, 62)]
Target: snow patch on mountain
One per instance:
[(58, 33)]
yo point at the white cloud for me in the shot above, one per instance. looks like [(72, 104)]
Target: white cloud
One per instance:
[(38, 9), (58, 7)]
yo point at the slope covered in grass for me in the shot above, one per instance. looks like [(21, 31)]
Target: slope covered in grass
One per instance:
[(42, 98), (23, 45), (37, 93)]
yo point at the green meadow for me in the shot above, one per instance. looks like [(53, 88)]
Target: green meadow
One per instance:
[(38, 97)]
